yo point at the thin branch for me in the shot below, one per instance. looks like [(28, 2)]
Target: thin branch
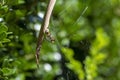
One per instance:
[(44, 26)]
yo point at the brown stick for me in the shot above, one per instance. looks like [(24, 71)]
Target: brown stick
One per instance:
[(44, 27)]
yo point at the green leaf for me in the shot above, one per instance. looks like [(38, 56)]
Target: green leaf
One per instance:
[(5, 40), (21, 1), (8, 71), (3, 10), (1, 44), (3, 36), (3, 28)]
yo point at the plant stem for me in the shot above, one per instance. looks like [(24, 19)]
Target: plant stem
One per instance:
[(44, 26)]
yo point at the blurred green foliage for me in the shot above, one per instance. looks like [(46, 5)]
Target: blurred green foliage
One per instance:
[(87, 45)]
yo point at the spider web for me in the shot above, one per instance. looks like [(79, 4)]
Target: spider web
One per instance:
[(54, 29)]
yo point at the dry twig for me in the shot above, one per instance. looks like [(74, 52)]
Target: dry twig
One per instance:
[(44, 27)]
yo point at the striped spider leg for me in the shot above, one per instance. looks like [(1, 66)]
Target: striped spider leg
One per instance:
[(49, 36)]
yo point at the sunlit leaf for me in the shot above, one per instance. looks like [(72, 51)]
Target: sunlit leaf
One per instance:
[(8, 71)]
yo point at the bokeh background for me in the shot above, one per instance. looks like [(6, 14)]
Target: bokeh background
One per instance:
[(87, 40)]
